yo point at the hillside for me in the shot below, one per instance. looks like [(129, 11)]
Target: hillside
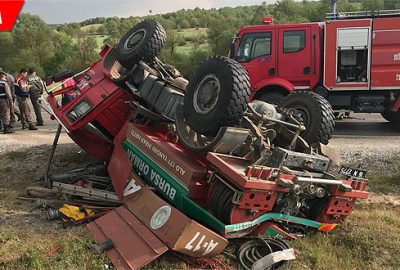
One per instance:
[(193, 34)]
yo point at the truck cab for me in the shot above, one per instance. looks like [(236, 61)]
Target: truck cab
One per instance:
[(280, 58)]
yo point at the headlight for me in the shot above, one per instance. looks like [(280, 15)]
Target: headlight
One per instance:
[(79, 110)]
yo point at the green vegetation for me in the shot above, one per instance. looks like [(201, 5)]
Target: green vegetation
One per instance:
[(199, 33), (367, 240), (32, 244), (33, 43), (386, 184)]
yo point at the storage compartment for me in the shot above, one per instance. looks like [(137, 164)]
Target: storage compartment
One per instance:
[(347, 54), (352, 55), (385, 67)]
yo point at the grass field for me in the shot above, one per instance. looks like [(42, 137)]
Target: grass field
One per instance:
[(188, 48), (188, 34), (192, 32), (91, 27), (369, 239), (99, 39)]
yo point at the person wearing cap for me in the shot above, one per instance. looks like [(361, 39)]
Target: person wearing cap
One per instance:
[(5, 103), (35, 92), (22, 92)]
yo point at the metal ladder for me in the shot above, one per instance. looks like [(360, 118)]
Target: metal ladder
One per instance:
[(363, 14)]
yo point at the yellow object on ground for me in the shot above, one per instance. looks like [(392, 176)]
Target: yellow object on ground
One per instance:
[(75, 212)]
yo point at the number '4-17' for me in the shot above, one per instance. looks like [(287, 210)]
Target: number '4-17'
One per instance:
[(192, 246)]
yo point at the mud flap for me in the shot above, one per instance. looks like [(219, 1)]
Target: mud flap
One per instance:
[(134, 245)]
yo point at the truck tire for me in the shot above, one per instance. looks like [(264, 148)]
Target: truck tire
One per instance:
[(273, 98), (216, 96), (143, 42), (392, 117), (317, 115)]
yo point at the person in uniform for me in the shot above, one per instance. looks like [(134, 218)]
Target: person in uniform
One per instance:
[(35, 91), (22, 92), (5, 103), (10, 81)]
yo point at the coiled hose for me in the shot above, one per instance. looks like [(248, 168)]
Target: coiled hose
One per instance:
[(257, 248)]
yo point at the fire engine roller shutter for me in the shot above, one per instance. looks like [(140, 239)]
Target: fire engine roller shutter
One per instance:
[(353, 38)]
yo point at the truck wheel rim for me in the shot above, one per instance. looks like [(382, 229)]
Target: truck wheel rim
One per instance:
[(206, 94), (134, 39)]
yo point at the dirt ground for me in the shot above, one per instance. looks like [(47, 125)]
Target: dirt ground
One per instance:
[(367, 141), (369, 239)]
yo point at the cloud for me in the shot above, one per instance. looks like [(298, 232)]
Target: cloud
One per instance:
[(62, 11)]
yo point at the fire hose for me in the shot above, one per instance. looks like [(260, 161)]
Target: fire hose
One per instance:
[(266, 254)]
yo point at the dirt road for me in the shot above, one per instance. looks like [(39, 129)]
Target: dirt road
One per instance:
[(26, 138), (368, 141)]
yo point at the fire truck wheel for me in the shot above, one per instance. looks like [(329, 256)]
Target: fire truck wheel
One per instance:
[(143, 42), (216, 96), (273, 98), (316, 113), (392, 117)]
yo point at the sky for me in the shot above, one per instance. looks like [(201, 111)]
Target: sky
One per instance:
[(65, 11)]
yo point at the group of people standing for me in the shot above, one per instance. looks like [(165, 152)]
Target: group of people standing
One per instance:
[(21, 90)]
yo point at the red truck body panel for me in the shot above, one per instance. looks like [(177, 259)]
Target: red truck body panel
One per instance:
[(385, 67)]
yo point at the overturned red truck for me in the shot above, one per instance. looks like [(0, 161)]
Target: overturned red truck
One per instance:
[(195, 163)]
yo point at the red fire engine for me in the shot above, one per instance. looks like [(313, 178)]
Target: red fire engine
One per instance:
[(353, 60)]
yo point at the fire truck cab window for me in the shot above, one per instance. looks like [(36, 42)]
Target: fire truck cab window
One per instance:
[(253, 46), (352, 55), (294, 41)]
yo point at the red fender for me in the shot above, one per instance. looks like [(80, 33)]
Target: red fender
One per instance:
[(288, 86)]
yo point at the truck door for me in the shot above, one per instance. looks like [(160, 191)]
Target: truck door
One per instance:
[(256, 53), (294, 56)]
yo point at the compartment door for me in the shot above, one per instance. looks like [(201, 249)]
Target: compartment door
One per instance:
[(385, 67), (347, 55)]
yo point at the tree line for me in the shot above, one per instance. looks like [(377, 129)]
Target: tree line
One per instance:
[(50, 48)]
